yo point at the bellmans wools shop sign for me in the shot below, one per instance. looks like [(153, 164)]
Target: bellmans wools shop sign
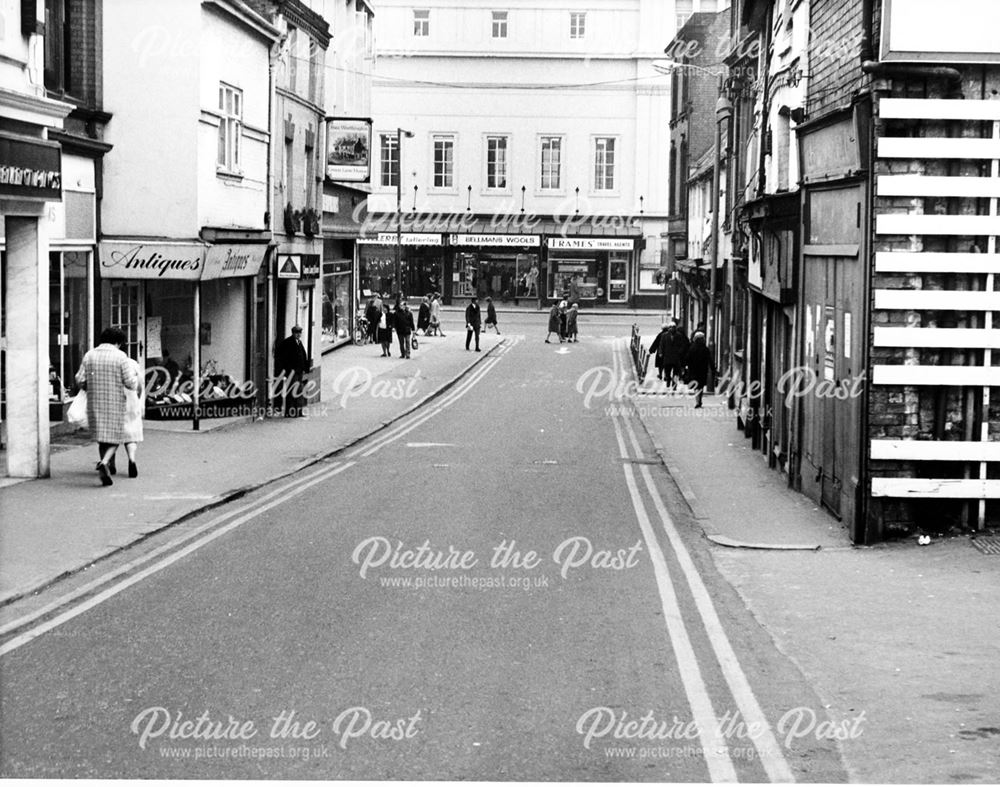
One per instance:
[(30, 168)]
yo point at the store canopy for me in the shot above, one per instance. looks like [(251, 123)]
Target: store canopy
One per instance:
[(179, 261)]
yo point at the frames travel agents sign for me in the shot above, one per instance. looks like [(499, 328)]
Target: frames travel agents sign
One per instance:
[(138, 260), (30, 168), (961, 31), (591, 244)]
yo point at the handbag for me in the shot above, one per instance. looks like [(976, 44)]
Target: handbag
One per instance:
[(414, 342), (77, 413)]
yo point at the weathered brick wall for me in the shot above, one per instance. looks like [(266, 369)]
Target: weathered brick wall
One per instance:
[(85, 56), (929, 412), (834, 45)]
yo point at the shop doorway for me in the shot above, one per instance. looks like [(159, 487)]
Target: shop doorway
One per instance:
[(617, 280), (125, 311)]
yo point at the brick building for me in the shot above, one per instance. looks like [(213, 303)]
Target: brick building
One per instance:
[(865, 217)]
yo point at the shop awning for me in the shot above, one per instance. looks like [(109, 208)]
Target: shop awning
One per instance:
[(179, 261)]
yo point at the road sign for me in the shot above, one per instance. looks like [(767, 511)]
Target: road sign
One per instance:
[(289, 266)]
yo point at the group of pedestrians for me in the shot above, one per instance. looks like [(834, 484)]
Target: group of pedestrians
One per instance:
[(387, 317), (562, 322), (679, 360), (474, 323)]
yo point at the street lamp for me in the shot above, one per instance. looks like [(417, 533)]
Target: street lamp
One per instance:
[(400, 133)]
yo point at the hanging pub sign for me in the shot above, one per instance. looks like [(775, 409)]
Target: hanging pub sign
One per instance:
[(30, 168), (348, 154), (232, 260), (157, 260), (965, 32)]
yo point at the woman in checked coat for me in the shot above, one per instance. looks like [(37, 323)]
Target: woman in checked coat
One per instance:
[(105, 374)]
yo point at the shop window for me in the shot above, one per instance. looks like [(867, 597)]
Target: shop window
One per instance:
[(577, 24), (496, 162), (551, 163), (499, 24), (389, 160), (444, 162), (230, 128), (421, 22), (604, 164)]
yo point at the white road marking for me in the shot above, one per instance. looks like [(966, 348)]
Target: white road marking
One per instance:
[(276, 497), (430, 445), (713, 745), (771, 756)]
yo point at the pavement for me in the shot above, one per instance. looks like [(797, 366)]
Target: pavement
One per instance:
[(908, 635), (55, 527)]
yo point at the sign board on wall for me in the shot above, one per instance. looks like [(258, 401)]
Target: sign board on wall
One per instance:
[(591, 244), (138, 260), (348, 154), (30, 168), (231, 260), (495, 240), (962, 31)]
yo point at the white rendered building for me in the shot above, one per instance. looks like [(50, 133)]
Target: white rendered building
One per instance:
[(540, 140)]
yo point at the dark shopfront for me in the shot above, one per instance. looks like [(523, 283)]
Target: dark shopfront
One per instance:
[(421, 263), (502, 267), (588, 271)]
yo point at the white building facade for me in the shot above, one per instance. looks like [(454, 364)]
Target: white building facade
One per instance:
[(31, 191), (185, 213), (538, 144)]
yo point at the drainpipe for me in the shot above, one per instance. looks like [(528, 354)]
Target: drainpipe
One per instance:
[(264, 399)]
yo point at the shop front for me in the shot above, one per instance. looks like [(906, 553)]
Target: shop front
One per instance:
[(589, 271), (187, 310), (421, 264), (501, 267), (31, 180), (72, 228)]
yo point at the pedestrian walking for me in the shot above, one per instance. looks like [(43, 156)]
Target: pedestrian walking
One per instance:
[(435, 324), (473, 322), (385, 323), (491, 316), (683, 344), (292, 363), (372, 314), (132, 428), (404, 328), (553, 323), (106, 374), (562, 321), (658, 349), (674, 355), (571, 318), (698, 364), (424, 315)]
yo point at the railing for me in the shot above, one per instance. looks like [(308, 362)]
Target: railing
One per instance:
[(640, 356)]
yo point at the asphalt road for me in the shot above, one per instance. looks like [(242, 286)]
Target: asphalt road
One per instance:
[(504, 586)]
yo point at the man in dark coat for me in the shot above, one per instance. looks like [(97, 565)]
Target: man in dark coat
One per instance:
[(473, 322), (424, 315), (659, 348), (699, 363), (291, 363), (404, 328)]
